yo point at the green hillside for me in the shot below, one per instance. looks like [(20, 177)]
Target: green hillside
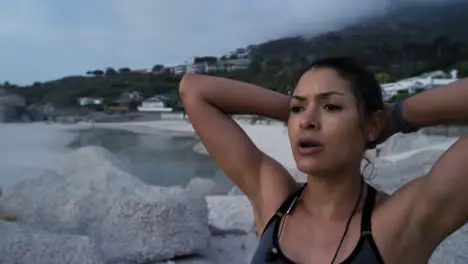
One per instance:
[(403, 43)]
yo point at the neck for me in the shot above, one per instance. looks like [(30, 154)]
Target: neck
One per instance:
[(332, 196)]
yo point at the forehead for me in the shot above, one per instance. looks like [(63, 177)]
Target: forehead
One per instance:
[(322, 80)]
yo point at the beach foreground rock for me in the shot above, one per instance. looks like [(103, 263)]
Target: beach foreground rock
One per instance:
[(19, 244), (200, 186), (130, 221), (230, 214)]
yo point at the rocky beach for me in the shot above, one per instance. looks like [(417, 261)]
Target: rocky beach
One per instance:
[(72, 198)]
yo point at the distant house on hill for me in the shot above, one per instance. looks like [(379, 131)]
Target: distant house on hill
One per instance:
[(179, 69), (155, 104), (419, 83), (212, 64), (94, 99), (127, 102)]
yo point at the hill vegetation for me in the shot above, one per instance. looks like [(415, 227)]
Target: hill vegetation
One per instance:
[(404, 43)]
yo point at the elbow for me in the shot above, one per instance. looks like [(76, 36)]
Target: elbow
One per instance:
[(188, 86)]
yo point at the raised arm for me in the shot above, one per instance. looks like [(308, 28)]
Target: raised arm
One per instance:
[(438, 201), (208, 102)]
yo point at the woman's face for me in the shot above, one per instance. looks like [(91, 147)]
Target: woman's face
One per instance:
[(324, 127)]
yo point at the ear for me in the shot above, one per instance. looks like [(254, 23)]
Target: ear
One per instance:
[(375, 125)]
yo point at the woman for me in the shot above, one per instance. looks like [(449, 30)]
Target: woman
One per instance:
[(335, 113)]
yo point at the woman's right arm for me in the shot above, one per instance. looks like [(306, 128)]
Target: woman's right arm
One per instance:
[(208, 102)]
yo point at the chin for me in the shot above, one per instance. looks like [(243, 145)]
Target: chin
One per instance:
[(311, 167)]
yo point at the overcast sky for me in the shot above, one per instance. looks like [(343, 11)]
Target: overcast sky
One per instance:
[(47, 39)]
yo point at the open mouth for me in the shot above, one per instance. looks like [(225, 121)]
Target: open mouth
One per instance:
[(309, 146)]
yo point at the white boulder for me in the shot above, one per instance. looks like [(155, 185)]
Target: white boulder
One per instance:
[(230, 214), (131, 222)]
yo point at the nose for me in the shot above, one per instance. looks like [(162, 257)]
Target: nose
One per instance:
[(310, 121)]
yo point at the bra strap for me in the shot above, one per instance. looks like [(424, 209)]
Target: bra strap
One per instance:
[(289, 204), (366, 225)]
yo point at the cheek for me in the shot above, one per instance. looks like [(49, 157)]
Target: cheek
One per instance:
[(292, 127), (345, 133)]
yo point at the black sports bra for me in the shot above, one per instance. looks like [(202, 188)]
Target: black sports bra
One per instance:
[(365, 252)]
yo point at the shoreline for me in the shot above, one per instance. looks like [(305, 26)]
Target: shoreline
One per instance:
[(271, 137)]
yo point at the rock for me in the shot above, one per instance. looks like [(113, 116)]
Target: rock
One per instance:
[(131, 221), (400, 143), (89, 158), (230, 215), (230, 248), (200, 186), (174, 224), (44, 201), (452, 249), (12, 108), (25, 245), (42, 111), (227, 248), (446, 131), (188, 260), (200, 149), (393, 175), (235, 191)]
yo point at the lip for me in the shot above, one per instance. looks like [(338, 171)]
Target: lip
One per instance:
[(309, 150)]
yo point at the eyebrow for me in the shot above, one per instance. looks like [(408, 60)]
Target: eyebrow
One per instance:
[(318, 96)]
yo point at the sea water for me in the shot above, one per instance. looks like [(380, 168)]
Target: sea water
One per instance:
[(157, 159)]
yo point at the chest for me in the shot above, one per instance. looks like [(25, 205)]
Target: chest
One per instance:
[(314, 242)]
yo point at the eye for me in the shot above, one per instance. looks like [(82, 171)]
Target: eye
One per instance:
[(296, 109), (332, 107)]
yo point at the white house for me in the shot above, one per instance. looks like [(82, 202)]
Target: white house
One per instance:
[(154, 104), (419, 83), (179, 69), (212, 67), (196, 68), (235, 64), (91, 100)]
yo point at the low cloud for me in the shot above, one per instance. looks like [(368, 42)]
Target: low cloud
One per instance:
[(43, 40)]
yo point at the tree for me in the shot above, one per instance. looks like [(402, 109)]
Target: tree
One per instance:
[(399, 96), (439, 43), (209, 59), (124, 70), (111, 71), (383, 77), (463, 70), (255, 66), (98, 73), (157, 68)]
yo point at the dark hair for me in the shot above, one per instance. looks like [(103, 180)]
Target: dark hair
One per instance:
[(364, 85)]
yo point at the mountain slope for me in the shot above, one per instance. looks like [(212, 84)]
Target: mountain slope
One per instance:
[(408, 40)]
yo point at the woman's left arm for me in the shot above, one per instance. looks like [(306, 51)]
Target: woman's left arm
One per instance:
[(441, 197), (447, 104)]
